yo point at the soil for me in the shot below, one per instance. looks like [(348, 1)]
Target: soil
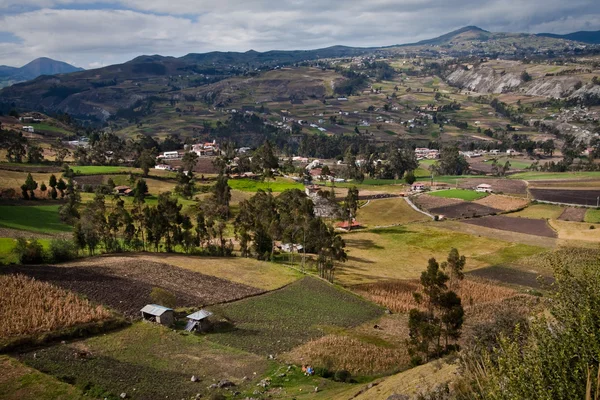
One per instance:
[(464, 210), (504, 203), (498, 185), (573, 214), (428, 202), (581, 197), (536, 227), (124, 283)]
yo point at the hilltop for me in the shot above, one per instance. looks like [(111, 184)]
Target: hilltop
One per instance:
[(39, 66)]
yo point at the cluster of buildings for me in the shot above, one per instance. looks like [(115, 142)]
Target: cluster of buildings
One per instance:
[(206, 149), (423, 153)]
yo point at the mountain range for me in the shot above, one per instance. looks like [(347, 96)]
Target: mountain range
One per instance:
[(591, 37), (39, 66)]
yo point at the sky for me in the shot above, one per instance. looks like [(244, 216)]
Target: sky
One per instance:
[(95, 33)]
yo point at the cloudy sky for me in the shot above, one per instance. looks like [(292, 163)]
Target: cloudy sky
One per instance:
[(93, 33)]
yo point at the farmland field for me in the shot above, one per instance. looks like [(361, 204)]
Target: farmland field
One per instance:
[(573, 214), (29, 308), (19, 382), (38, 218), (510, 186), (536, 227), (402, 252), (540, 176), (579, 197), (280, 320), (579, 231), (501, 202), (540, 211), (467, 195), (125, 283), (464, 210), (592, 216), (139, 360), (250, 185), (247, 271), (385, 212)]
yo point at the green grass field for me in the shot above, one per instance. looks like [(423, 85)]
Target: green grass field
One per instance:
[(50, 128), (592, 216), (280, 320), (250, 185), (387, 212), (540, 211), (38, 218), (467, 195), (541, 176), (102, 169), (514, 164)]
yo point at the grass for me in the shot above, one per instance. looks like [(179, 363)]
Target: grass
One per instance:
[(50, 128), (102, 169), (387, 212), (451, 179), (540, 211), (38, 218), (30, 308), (540, 176), (19, 382), (248, 271), (592, 216), (144, 356), (298, 313), (8, 244), (250, 185), (402, 252), (577, 231), (467, 195)]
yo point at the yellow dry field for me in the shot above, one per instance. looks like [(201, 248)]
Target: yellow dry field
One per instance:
[(248, 271), (14, 179), (411, 382), (501, 202), (540, 211), (19, 382), (387, 212), (577, 231), (403, 252)]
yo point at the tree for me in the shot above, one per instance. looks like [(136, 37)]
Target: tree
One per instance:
[(29, 251), (35, 154), (43, 188), (189, 161), (61, 186), (351, 205), (52, 182), (455, 265), (409, 177), (69, 212), (29, 186), (140, 191), (147, 160), (441, 315), (525, 77), (451, 162)]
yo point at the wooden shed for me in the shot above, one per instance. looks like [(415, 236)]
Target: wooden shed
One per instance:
[(198, 321), (159, 314)]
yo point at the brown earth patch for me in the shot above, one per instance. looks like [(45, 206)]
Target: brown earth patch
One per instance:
[(573, 214), (504, 203), (537, 227), (125, 283), (464, 210), (428, 202), (581, 197)]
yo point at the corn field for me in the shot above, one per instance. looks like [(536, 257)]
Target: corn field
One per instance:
[(398, 295), (343, 352), (30, 307)]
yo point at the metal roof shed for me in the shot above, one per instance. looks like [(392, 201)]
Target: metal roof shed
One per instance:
[(159, 314), (198, 321)]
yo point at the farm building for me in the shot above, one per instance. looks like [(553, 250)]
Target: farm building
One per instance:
[(123, 190), (417, 187), (346, 226), (484, 188), (159, 314), (198, 321)]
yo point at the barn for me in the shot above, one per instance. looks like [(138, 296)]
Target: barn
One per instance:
[(159, 314), (198, 321)]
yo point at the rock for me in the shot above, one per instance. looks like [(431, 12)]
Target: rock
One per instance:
[(193, 378), (213, 386), (370, 386), (244, 379), (123, 395), (316, 389), (264, 383), (271, 357), (388, 311), (225, 384), (282, 375)]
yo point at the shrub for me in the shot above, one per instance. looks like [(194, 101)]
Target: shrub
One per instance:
[(29, 251), (62, 250), (323, 372), (163, 297), (341, 376)]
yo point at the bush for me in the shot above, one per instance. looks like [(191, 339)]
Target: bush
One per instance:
[(29, 251), (323, 372), (341, 376), (62, 250), (163, 297)]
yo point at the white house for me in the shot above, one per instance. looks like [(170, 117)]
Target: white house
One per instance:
[(170, 154), (484, 188), (28, 129)]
